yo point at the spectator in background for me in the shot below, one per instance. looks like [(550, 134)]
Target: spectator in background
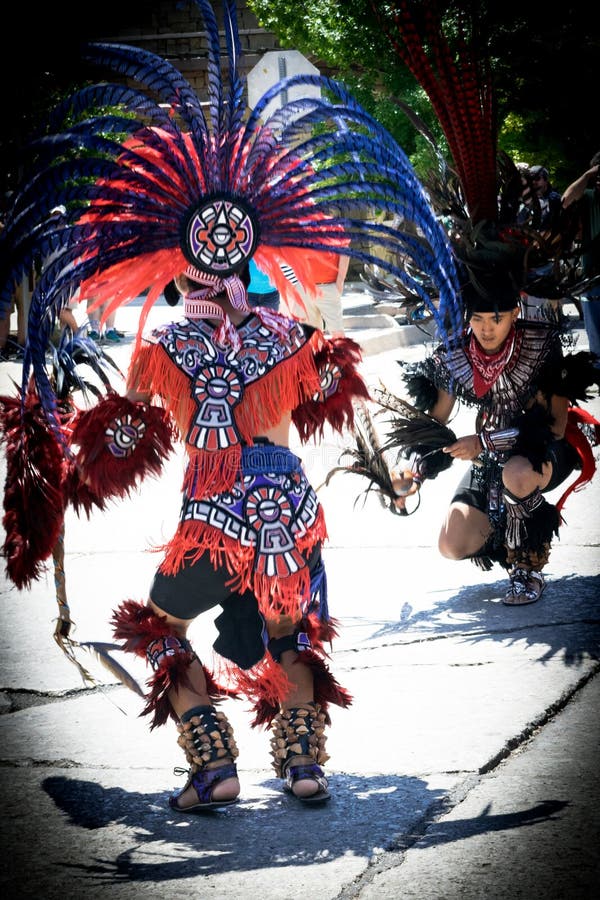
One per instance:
[(260, 290), (585, 192), (325, 310), (13, 347), (95, 331), (8, 346), (542, 206)]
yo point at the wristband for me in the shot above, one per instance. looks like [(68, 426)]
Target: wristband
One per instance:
[(498, 441)]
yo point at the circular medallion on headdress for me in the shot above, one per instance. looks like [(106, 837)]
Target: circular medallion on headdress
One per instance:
[(219, 235)]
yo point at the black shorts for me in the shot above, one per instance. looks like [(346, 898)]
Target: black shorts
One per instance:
[(198, 587), (562, 455)]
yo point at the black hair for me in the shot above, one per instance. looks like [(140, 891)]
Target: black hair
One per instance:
[(494, 292), (171, 293)]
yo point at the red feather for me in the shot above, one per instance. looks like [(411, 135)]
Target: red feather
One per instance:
[(96, 433), (459, 86), (579, 441), (33, 498), (137, 626), (341, 356), (79, 494), (326, 690)]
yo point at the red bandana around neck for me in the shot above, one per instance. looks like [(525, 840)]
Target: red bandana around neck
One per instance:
[(487, 367)]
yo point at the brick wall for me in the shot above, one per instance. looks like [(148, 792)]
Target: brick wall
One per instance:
[(177, 35)]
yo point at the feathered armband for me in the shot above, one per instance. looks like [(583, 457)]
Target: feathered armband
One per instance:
[(119, 442), (340, 383)]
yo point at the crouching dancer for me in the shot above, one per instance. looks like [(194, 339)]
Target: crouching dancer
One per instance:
[(530, 434)]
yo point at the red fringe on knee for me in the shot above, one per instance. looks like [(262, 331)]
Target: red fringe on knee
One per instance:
[(137, 625), (327, 690)]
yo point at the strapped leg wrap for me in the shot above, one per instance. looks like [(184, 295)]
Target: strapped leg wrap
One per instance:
[(207, 739), (298, 641), (298, 731), (149, 636), (531, 522)]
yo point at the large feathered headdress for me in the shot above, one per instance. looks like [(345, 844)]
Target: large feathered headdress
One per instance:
[(451, 62), (155, 182)]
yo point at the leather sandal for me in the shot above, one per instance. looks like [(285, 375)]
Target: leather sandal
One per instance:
[(203, 783), (307, 773), (525, 587)]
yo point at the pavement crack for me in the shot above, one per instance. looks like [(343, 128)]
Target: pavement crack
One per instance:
[(538, 723), (14, 700), (29, 763)]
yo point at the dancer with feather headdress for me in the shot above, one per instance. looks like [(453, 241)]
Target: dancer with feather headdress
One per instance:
[(530, 433), (163, 196)]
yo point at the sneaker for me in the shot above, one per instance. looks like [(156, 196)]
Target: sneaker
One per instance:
[(525, 587), (94, 335), (112, 336)]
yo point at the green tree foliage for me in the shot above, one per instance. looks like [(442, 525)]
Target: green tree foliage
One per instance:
[(544, 66)]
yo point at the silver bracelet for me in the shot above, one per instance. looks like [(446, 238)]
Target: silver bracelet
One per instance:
[(498, 441)]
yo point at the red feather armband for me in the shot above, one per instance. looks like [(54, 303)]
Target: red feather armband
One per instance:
[(119, 442), (340, 383)]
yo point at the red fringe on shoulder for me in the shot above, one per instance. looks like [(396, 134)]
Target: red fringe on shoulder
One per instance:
[(284, 388)]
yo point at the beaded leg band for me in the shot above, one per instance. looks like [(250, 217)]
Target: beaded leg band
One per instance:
[(207, 739), (297, 732), (531, 522)]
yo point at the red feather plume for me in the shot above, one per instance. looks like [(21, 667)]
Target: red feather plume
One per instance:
[(96, 431), (137, 626), (336, 361), (33, 499), (459, 85), (326, 690)]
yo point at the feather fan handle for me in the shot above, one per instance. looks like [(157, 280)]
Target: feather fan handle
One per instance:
[(103, 653), (407, 421), (416, 432)]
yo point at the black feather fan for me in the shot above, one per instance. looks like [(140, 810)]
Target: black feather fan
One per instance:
[(369, 459), (413, 431)]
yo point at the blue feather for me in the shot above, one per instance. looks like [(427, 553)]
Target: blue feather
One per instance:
[(317, 156)]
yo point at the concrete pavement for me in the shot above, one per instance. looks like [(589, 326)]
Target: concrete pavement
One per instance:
[(467, 766)]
